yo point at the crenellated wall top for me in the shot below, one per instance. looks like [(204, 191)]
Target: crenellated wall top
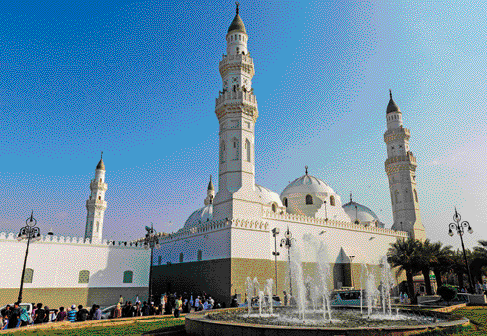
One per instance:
[(4, 236), (332, 223)]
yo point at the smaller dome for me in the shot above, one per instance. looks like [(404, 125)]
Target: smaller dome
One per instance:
[(307, 184), (268, 196), (363, 213), (199, 217), (392, 106), (100, 165)]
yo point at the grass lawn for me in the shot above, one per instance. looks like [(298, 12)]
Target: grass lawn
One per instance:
[(478, 326), (137, 327)]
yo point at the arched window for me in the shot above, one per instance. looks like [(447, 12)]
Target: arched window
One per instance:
[(231, 38), (97, 226), (309, 199), (100, 180), (332, 200), (285, 202), (416, 195), (99, 197), (29, 275), (84, 276), (200, 255), (274, 207), (247, 147), (396, 196), (238, 50), (235, 149), (222, 152), (128, 277), (181, 257)]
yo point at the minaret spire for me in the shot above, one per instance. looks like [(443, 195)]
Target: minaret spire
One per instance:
[(236, 9)]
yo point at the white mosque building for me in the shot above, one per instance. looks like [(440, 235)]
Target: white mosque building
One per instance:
[(231, 236)]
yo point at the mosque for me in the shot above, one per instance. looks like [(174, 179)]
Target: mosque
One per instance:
[(238, 231)]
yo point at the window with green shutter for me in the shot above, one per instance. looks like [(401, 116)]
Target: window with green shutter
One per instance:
[(128, 276), (28, 275), (84, 276)]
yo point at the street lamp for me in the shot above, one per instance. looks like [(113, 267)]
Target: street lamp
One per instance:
[(29, 232), (287, 242), (275, 232), (150, 241), (326, 212), (460, 228)]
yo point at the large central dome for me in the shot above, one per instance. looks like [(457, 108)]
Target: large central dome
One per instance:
[(306, 184)]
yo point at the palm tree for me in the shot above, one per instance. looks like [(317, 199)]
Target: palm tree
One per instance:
[(404, 254), (443, 260), (427, 258)]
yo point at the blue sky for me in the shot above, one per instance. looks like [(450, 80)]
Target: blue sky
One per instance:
[(138, 80)]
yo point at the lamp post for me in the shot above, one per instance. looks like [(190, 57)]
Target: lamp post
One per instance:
[(326, 212), (150, 241), (351, 273), (275, 232), (28, 232), (460, 228), (356, 215), (287, 243)]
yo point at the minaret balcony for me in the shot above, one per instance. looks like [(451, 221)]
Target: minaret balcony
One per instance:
[(397, 133), (98, 204), (409, 158), (236, 63), (235, 98)]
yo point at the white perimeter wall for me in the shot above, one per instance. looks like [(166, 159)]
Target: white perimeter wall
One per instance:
[(58, 264)]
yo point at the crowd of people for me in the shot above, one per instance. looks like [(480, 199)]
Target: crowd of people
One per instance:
[(169, 304), (16, 316)]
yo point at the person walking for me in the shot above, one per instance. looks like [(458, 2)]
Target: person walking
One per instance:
[(177, 306), (72, 314), (61, 316), (82, 314), (24, 317), (14, 318)]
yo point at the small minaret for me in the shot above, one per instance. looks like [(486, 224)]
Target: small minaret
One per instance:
[(400, 167), (96, 204), (210, 193)]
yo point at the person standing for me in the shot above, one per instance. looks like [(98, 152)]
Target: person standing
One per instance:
[(72, 314), (39, 315), (14, 318), (97, 313), (82, 314), (285, 297), (24, 317), (177, 306), (61, 316), (117, 312), (120, 300)]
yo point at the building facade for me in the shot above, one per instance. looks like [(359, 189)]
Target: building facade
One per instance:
[(231, 237)]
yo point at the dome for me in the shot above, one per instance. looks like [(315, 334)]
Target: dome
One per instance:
[(267, 196), (306, 184), (392, 106), (363, 214), (237, 23), (199, 218)]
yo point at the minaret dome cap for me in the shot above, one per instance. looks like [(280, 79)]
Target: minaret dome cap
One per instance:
[(100, 164), (237, 23), (392, 106)]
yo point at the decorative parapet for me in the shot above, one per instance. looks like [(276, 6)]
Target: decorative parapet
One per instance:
[(70, 240), (98, 185), (397, 133), (255, 225), (237, 97), (332, 223)]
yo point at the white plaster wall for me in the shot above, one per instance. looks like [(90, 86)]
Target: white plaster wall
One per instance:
[(213, 245), (58, 264)]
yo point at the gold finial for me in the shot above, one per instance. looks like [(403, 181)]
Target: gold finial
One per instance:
[(236, 3), (102, 155), (350, 197), (390, 93), (306, 169)]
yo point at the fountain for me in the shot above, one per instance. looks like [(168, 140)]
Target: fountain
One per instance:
[(317, 314)]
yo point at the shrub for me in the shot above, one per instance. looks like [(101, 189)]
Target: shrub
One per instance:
[(447, 292)]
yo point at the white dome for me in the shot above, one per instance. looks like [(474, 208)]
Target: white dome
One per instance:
[(267, 196), (307, 184), (199, 218), (363, 214)]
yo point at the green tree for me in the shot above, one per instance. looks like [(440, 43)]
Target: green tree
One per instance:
[(427, 258), (404, 255), (443, 260)]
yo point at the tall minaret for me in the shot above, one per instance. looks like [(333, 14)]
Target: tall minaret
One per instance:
[(400, 167), (236, 109), (96, 204)]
